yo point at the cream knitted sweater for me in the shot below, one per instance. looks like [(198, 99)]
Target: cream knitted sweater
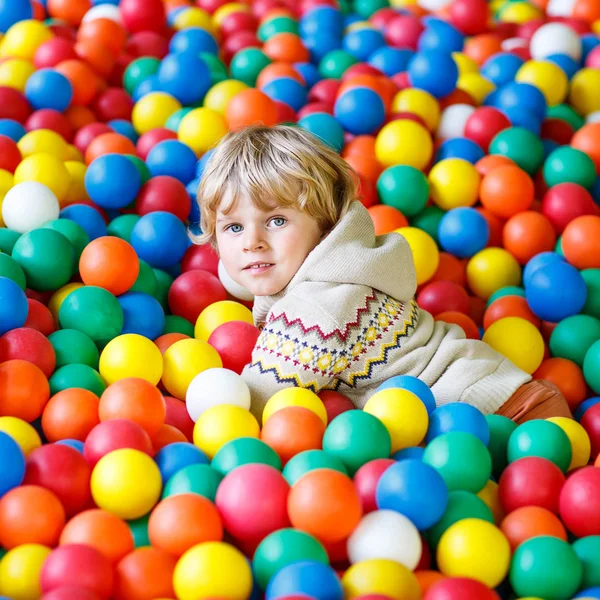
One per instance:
[(348, 321)]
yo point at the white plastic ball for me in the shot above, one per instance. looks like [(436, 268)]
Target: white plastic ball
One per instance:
[(432, 5), (555, 38), (103, 11), (213, 387), (29, 205), (560, 8), (593, 117), (512, 44), (385, 534), (453, 121), (235, 289)]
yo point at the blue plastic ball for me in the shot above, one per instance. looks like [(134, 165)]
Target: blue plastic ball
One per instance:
[(125, 128), (463, 232), (361, 43), (13, 11), (185, 76), (12, 460), (325, 127), (174, 457), (589, 593), (76, 444), (149, 85), (360, 110), (287, 90), (193, 39), (310, 578), (521, 117), (174, 158), (588, 42), (519, 95), (458, 416), (539, 260), (12, 129), (459, 148), (566, 63), (143, 314), (414, 385), (86, 216), (160, 239), (13, 305), (48, 88), (433, 71), (309, 72), (415, 490), (440, 35), (580, 410), (412, 452), (556, 291), (320, 44), (501, 68), (112, 181), (391, 61), (173, 14), (321, 19)]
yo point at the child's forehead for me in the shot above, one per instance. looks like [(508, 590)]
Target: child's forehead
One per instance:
[(231, 204)]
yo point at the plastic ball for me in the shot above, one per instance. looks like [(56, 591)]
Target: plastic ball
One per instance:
[(288, 397), (424, 251), (172, 77), (587, 551), (244, 451), (453, 121), (555, 38), (576, 509), (513, 143), (21, 432), (235, 356), (20, 571), (249, 107), (14, 460), (15, 307), (490, 270), (29, 205), (506, 191), (590, 364), (349, 110), (404, 188), (531, 521), (453, 588), (457, 416), (578, 437), (311, 460), (433, 71), (112, 181), (47, 88), (381, 577), (579, 240), (305, 578), (548, 77), (414, 385), (463, 232), (201, 129), (325, 127), (404, 142)]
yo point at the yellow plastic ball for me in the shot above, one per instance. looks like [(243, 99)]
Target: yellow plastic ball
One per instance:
[(73, 154), (46, 169), (548, 77), (212, 569), (465, 63), (402, 3), (20, 570), (519, 12), (15, 72), (358, 25), (193, 17), (474, 548), (404, 142), (425, 252), (227, 9), (7, 180), (131, 355), (294, 396), (24, 38), (222, 423), (454, 182), (126, 482), (76, 191), (218, 313), (153, 111), (585, 91), (43, 141), (183, 360), (519, 340), (59, 296), (491, 269), (219, 95), (489, 494), (380, 576), (403, 414), (580, 441), (596, 27), (420, 103), (201, 129), (22, 432), (476, 85)]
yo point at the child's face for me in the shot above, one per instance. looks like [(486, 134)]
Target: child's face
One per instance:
[(280, 238)]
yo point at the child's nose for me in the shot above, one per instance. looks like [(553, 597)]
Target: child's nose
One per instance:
[(254, 239)]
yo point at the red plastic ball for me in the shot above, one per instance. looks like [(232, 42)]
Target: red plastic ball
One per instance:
[(113, 103), (460, 588), (178, 416), (335, 403), (313, 107), (285, 113), (143, 15), (164, 193), (483, 125), (30, 345), (382, 18), (52, 52), (64, 471), (147, 43), (558, 131), (10, 155), (578, 502), (530, 481), (591, 423), (404, 32), (149, 139), (68, 592), (441, 296), (252, 501), (13, 105), (47, 118), (192, 292), (113, 435), (566, 201), (88, 133), (366, 480), (325, 91), (234, 341), (470, 16), (238, 41), (238, 21), (78, 565), (39, 317), (203, 258)]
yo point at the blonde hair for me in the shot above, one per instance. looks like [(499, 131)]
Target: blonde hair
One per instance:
[(282, 164)]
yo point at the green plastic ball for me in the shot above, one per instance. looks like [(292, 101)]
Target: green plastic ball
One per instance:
[(146, 280), (521, 146), (139, 530), (501, 429), (194, 479), (74, 347), (277, 25), (244, 451), (592, 302), (429, 220), (142, 168), (509, 290), (542, 438), (357, 437), (461, 505), (163, 285), (565, 113), (591, 367), (93, 311), (77, 376), (366, 8), (569, 165), (335, 63), (309, 460), (247, 64), (461, 459), (573, 336), (545, 567), (47, 258), (74, 232), (175, 119), (404, 188), (8, 239), (139, 70), (218, 71), (282, 548), (558, 247), (176, 324), (122, 226), (11, 269), (588, 552)]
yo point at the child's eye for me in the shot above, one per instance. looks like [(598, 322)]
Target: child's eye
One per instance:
[(234, 228), (278, 221)]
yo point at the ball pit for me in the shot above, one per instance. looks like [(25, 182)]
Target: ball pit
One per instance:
[(131, 465)]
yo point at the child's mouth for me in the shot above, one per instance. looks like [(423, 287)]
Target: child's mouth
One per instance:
[(259, 268)]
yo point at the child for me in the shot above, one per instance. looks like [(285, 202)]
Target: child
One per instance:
[(336, 303)]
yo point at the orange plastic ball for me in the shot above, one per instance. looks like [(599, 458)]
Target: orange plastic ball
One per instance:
[(373, 82), (587, 139), (110, 263), (165, 341), (496, 225), (464, 321), (481, 47), (581, 242), (109, 143), (250, 107), (567, 376), (70, 414), (24, 390), (83, 79), (134, 399), (105, 33), (286, 47), (98, 56), (293, 430), (30, 514), (527, 522), (70, 11), (527, 234), (506, 191), (509, 306), (386, 218), (167, 434), (491, 161), (427, 579), (276, 70), (450, 268), (101, 530), (145, 573), (80, 116), (586, 10)]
